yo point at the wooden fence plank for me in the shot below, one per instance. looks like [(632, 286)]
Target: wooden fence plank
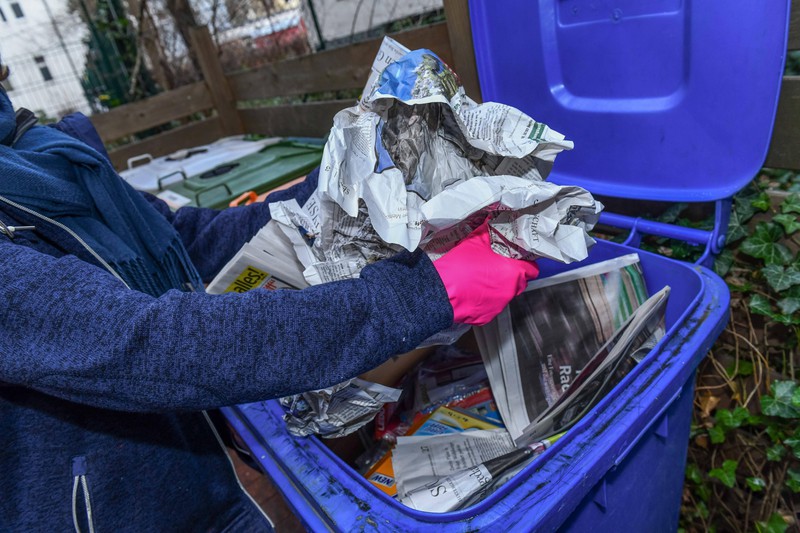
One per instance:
[(794, 26), (194, 134), (784, 150), (155, 111), (331, 70), (224, 101), (459, 30), (305, 120)]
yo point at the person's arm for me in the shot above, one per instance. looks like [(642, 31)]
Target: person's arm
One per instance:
[(212, 237), (72, 330)]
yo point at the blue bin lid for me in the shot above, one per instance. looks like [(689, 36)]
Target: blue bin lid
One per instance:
[(665, 99)]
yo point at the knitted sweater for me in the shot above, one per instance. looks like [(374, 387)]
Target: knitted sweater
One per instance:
[(101, 387)]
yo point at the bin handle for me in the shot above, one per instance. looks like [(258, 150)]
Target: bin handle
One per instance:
[(245, 198), (165, 176), (223, 185), (138, 158), (714, 240)]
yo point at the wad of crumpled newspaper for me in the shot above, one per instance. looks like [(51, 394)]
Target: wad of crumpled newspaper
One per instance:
[(417, 163)]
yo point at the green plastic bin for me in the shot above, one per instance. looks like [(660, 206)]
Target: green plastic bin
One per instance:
[(260, 172)]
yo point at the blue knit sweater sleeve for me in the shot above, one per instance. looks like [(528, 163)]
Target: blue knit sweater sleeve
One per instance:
[(74, 331), (212, 237)]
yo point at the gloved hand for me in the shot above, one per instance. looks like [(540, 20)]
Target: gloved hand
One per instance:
[(479, 282)]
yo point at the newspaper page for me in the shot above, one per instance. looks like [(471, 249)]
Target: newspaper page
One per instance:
[(462, 478), (266, 261), (418, 460), (540, 343), (626, 348)]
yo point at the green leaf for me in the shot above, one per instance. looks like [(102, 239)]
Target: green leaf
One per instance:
[(743, 209), (784, 177), (796, 397), (781, 278), (731, 419), (785, 319), (694, 474), (776, 434), (780, 402), (726, 474), (746, 287), (737, 225), (760, 305), (723, 263), (789, 305), (756, 484), (775, 524), (742, 368), (793, 479), (704, 492), (794, 444), (763, 244), (776, 452), (791, 204), (761, 202), (745, 368), (789, 223), (717, 434), (702, 509)]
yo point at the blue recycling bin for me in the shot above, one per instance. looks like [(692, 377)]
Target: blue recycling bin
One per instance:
[(666, 100)]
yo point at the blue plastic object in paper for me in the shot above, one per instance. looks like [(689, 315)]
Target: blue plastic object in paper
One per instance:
[(666, 100)]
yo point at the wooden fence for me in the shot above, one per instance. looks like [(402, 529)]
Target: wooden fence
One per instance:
[(232, 103), (784, 151)]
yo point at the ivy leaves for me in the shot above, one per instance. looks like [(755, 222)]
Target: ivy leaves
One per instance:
[(764, 244), (784, 402), (767, 242)]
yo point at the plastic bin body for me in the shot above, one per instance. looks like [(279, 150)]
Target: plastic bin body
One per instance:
[(156, 173), (619, 469), (260, 172), (666, 100)]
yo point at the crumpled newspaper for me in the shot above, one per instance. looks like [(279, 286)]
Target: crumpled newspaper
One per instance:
[(336, 411), (417, 163)]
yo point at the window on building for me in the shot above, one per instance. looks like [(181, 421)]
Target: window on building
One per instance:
[(43, 68), (15, 7)]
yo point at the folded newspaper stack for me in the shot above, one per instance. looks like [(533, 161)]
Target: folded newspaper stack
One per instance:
[(559, 347)]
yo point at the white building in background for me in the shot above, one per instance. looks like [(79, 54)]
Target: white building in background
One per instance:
[(42, 43)]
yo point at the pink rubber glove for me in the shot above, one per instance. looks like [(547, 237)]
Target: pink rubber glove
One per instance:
[(479, 282)]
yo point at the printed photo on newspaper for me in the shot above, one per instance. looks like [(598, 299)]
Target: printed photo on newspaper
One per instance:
[(535, 349), (624, 350)]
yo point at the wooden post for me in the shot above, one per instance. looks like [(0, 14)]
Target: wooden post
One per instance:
[(794, 26), (459, 30), (221, 93), (149, 37)]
